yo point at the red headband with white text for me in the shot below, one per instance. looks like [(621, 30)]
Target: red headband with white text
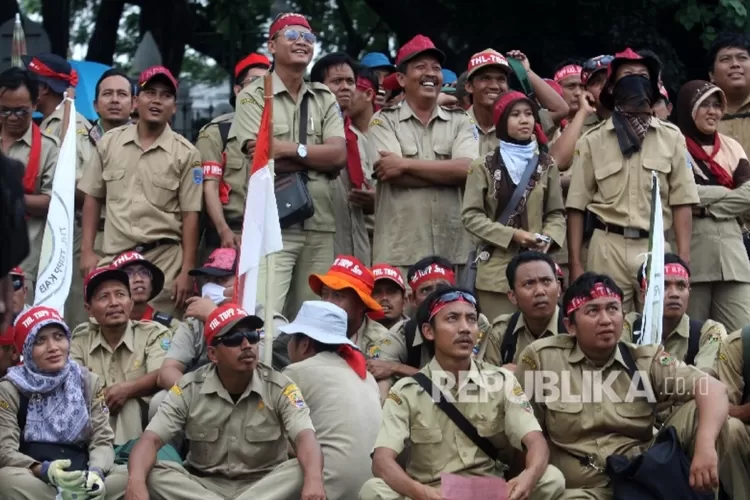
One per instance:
[(432, 272), (599, 291)]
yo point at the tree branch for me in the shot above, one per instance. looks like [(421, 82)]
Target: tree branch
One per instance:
[(354, 42), (104, 38)]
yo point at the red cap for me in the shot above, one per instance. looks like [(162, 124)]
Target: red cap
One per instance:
[(507, 99), (132, 257), (288, 19), (8, 336), (224, 318), (390, 82), (99, 276), (17, 271), (155, 71), (222, 262), (629, 55), (416, 46), (486, 58), (34, 319), (388, 272), (253, 59)]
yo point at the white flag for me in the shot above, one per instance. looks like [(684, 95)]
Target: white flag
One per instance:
[(56, 261), (653, 308)]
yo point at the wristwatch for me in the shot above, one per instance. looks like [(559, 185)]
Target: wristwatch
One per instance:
[(302, 151)]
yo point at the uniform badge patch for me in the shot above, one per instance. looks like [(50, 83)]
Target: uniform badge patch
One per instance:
[(373, 352), (4, 405), (198, 175), (376, 122), (176, 390), (261, 405), (528, 362), (666, 359), (164, 343), (394, 398), (294, 396), (518, 390), (136, 364), (527, 406), (722, 357)]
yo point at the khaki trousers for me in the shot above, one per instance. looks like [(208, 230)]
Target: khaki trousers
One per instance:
[(549, 487), (304, 253), (727, 302), (17, 483), (171, 481)]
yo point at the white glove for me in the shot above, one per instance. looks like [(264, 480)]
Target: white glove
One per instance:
[(55, 472), (94, 484)]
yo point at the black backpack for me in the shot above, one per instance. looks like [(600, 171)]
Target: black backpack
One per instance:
[(224, 133), (510, 339), (414, 353), (694, 340)]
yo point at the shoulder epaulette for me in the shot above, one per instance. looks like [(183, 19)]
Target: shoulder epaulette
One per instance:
[(555, 341), (163, 318), (51, 137), (594, 127)]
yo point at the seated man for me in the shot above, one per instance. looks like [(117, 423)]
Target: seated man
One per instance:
[(448, 321), (534, 290), (125, 354), (343, 398), (237, 416), (390, 293), (614, 420), (146, 283), (694, 342)]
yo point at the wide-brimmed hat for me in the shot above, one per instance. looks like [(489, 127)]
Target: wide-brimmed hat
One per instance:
[(52, 70), (347, 272), (629, 56), (127, 259), (322, 321)]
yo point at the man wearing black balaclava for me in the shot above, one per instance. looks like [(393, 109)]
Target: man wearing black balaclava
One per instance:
[(612, 176)]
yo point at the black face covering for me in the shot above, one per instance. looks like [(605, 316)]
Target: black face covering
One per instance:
[(632, 94)]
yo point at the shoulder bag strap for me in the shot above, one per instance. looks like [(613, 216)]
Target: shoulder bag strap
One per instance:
[(510, 340), (413, 353), (457, 417), (694, 341), (631, 367), (746, 362), (303, 120), (520, 190), (224, 128)]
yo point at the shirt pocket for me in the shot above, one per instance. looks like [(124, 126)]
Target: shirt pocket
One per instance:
[(161, 192), (264, 443), (409, 150), (563, 417), (114, 180), (662, 168), (204, 450), (610, 180), (428, 455), (635, 419), (136, 370), (443, 150)]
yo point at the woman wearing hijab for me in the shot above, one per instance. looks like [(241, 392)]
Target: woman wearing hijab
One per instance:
[(719, 268), (54, 424), (537, 219)]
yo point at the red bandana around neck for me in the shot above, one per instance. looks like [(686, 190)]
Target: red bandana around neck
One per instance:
[(149, 314), (353, 160), (700, 154), (354, 359), (35, 155)]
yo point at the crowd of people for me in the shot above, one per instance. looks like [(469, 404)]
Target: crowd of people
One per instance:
[(448, 242)]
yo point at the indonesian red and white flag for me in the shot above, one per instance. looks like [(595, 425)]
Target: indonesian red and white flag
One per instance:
[(261, 233)]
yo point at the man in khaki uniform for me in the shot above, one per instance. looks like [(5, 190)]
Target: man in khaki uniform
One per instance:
[(343, 398), (126, 354), (498, 409), (612, 180), (694, 342), (225, 167), (337, 72), (594, 75), (586, 423), (425, 151), (24, 141), (56, 75), (238, 416), (390, 292), (535, 291), (149, 177), (308, 247), (729, 55)]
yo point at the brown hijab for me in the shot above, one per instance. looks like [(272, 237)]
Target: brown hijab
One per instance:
[(691, 95)]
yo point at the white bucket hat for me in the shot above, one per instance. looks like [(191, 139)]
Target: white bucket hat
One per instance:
[(322, 321)]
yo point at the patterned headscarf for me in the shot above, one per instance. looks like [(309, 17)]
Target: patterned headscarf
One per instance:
[(57, 411)]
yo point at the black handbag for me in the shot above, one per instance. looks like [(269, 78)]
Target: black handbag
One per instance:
[(293, 200)]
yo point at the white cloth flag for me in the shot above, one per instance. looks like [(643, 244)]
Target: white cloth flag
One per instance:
[(56, 261), (653, 308)]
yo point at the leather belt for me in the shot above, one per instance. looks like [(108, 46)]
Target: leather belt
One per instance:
[(630, 233), (147, 247)]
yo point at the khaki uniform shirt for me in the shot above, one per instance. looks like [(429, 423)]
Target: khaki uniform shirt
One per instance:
[(411, 223), (346, 413), (601, 428), (618, 189), (730, 366), (488, 141), (369, 338), (351, 227), (98, 435), (324, 121), (393, 347), (53, 125), (490, 350), (20, 151), (140, 351), (504, 416), (146, 192), (544, 213), (676, 343), (235, 171), (738, 128), (243, 439)]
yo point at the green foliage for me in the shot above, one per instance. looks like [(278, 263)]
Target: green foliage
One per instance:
[(707, 19)]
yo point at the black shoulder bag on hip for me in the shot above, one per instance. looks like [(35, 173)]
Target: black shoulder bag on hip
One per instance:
[(293, 200)]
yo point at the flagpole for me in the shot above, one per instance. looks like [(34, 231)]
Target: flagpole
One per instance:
[(270, 258)]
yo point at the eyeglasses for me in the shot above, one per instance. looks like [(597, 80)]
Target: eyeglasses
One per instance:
[(134, 271), (19, 112), (17, 283), (292, 35), (235, 339)]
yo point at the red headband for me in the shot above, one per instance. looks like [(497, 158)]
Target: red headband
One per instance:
[(675, 270), (290, 19), (432, 272), (364, 84), (42, 69), (566, 71), (599, 291), (440, 305)]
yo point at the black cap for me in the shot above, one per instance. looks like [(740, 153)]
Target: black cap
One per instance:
[(55, 63)]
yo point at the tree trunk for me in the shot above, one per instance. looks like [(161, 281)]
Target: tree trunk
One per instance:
[(168, 22), (104, 39), (8, 10), (56, 22)]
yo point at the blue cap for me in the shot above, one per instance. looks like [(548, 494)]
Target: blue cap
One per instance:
[(376, 60), (449, 77)]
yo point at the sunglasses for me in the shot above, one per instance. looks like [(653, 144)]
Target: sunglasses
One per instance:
[(17, 283), (596, 63), (292, 35), (452, 297), (235, 339)]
